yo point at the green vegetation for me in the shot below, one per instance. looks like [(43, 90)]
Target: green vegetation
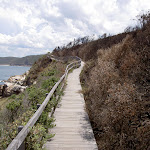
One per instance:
[(13, 96), (49, 83), (10, 131), (7, 60), (13, 108), (37, 68), (28, 60), (44, 67), (3, 103), (50, 73), (36, 95), (115, 84), (21, 107), (34, 139)]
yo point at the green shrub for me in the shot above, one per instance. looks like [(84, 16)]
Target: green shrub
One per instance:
[(33, 96), (37, 137), (14, 105), (13, 96), (49, 83), (10, 131), (13, 108), (49, 73), (36, 95), (45, 120)]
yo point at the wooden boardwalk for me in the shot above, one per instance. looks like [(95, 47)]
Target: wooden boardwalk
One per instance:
[(73, 130)]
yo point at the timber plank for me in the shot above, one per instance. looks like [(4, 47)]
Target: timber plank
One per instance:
[(73, 129)]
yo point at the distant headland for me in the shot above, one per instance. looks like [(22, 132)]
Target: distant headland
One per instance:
[(16, 61)]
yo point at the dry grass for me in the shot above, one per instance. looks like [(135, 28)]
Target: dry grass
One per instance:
[(112, 98), (3, 102), (116, 81)]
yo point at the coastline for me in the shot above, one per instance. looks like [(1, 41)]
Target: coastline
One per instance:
[(14, 76), (4, 65), (16, 65), (13, 85)]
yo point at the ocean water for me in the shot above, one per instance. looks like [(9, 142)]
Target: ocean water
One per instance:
[(8, 71)]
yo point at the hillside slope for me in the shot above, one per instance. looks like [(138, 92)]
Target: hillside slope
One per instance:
[(116, 90), (116, 81), (18, 109), (28, 60), (7, 60)]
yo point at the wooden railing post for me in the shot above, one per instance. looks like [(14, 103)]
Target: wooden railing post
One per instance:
[(22, 146), (18, 142)]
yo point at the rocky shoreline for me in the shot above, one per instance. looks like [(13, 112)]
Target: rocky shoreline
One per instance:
[(14, 85)]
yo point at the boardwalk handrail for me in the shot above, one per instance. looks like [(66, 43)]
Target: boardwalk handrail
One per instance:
[(18, 140)]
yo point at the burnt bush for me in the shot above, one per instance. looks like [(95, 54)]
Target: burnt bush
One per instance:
[(116, 81), (89, 50), (114, 103)]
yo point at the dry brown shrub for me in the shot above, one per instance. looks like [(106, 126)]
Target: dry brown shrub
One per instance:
[(116, 87), (112, 99)]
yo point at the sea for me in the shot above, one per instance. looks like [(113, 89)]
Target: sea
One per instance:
[(7, 71)]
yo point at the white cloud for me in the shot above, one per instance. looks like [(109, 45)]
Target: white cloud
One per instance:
[(37, 26)]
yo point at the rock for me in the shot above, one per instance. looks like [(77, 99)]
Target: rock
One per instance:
[(13, 88), (34, 82), (14, 85), (18, 79), (3, 90)]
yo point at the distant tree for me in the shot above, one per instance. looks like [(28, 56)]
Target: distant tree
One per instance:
[(128, 29), (104, 36), (144, 19)]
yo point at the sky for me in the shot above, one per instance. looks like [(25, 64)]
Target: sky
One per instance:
[(32, 27)]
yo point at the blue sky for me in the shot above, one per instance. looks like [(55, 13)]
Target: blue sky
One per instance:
[(30, 27)]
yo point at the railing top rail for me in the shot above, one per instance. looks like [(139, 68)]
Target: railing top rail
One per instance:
[(17, 141)]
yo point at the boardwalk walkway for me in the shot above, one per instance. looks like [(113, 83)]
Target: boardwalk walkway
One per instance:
[(73, 130)]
